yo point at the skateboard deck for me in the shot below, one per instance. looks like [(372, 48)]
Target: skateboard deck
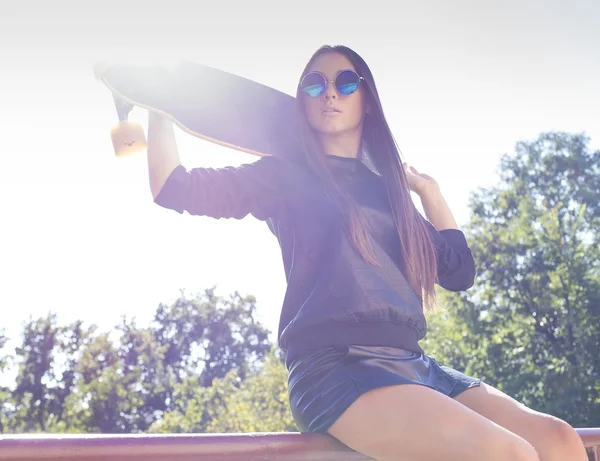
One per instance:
[(208, 103)]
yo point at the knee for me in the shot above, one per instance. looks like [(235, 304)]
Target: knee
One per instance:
[(562, 436)]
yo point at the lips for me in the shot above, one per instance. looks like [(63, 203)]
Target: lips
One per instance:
[(331, 110)]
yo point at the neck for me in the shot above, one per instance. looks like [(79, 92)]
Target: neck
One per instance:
[(341, 145)]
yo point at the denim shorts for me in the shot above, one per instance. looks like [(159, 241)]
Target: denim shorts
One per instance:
[(322, 385)]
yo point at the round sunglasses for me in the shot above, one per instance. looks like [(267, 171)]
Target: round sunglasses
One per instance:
[(314, 83)]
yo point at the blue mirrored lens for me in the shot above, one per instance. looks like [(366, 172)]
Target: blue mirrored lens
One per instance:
[(313, 84), (347, 82), (314, 90)]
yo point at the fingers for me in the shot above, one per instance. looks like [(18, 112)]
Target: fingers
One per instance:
[(410, 169)]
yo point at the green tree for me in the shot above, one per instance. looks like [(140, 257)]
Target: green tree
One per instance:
[(258, 403), (5, 393), (531, 325), (164, 370), (210, 335), (94, 404), (74, 379), (119, 384), (45, 378), (193, 406)]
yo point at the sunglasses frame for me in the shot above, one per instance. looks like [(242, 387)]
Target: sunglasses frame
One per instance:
[(327, 82)]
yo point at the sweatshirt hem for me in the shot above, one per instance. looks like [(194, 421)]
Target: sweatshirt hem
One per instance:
[(330, 334)]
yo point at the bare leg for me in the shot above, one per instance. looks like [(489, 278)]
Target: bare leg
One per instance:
[(553, 439), (413, 422)]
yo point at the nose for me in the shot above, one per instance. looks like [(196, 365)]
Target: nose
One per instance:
[(330, 90)]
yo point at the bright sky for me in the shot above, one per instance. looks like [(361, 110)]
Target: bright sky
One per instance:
[(461, 83)]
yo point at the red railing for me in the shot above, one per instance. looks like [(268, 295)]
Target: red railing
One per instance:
[(196, 447)]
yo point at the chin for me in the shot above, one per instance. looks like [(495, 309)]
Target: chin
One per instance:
[(330, 128), (333, 130)]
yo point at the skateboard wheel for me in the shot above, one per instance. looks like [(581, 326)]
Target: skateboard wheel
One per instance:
[(128, 138)]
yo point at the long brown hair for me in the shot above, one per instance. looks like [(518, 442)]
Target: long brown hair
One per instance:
[(417, 248)]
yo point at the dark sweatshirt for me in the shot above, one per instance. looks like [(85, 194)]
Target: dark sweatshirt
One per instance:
[(333, 296)]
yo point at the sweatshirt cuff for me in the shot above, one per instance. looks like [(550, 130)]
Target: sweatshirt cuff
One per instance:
[(171, 194), (455, 237)]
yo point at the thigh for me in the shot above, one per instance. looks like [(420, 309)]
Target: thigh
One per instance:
[(408, 421), (552, 437)]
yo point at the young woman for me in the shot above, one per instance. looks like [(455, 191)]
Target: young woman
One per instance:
[(361, 264)]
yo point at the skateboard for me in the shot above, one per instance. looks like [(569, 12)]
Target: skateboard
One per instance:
[(211, 104)]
